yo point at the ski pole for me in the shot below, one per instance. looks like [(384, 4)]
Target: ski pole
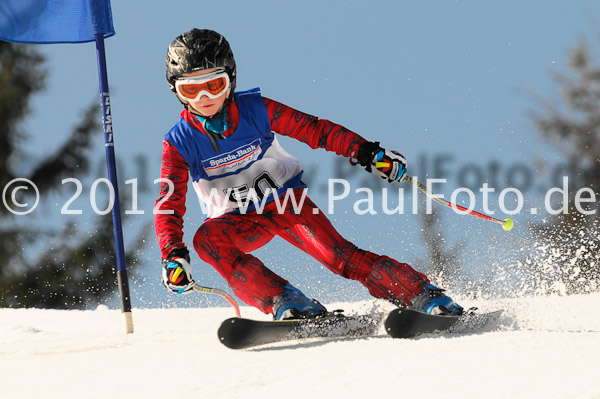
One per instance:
[(506, 224), (221, 293)]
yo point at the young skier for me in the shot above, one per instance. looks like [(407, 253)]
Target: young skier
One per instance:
[(225, 142)]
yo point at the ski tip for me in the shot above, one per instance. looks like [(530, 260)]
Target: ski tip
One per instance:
[(230, 333), (397, 323), (408, 323)]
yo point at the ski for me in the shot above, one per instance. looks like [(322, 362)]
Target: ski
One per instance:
[(240, 333), (408, 323)]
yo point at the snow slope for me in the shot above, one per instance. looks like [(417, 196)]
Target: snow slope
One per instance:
[(544, 347)]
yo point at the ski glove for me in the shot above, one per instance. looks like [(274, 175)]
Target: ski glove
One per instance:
[(390, 165), (177, 272)]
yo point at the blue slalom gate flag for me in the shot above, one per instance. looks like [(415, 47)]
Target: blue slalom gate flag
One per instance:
[(54, 21)]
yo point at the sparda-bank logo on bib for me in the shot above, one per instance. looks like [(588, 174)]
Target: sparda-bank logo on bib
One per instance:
[(233, 160)]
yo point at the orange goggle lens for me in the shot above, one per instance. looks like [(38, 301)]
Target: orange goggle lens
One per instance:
[(214, 87), (192, 89)]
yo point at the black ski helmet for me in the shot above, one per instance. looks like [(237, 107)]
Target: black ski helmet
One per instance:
[(199, 49)]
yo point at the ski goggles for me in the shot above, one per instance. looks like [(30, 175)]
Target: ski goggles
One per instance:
[(212, 85)]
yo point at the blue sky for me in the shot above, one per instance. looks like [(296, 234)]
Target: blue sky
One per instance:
[(429, 79)]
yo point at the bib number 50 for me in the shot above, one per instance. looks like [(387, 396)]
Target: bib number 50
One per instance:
[(262, 185)]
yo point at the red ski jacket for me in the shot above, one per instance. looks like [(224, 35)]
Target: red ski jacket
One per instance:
[(284, 120)]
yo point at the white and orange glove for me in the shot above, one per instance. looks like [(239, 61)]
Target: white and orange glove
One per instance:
[(389, 165), (177, 272)]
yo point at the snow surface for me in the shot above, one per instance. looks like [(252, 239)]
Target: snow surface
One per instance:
[(543, 347)]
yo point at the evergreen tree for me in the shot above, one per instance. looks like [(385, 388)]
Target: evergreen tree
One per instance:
[(73, 269), (573, 127), (443, 260)]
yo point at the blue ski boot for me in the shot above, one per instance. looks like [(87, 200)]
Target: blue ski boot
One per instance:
[(292, 304), (433, 301)]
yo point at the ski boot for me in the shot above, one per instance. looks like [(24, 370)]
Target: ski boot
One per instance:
[(433, 301), (292, 304)]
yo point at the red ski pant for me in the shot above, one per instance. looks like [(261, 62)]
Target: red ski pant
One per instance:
[(225, 242)]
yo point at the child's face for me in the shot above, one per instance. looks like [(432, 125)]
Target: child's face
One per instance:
[(206, 106)]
